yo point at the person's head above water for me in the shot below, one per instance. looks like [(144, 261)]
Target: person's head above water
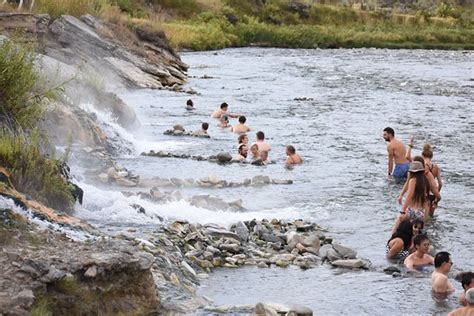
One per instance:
[(242, 119), (205, 126), (290, 150), (224, 106), (254, 150), (224, 119), (260, 136), (467, 280), (442, 261), (264, 155), (422, 243), (189, 103), (388, 133), (243, 150), (405, 232), (470, 296), (243, 139), (427, 151)]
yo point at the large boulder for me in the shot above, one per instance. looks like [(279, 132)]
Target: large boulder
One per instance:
[(224, 157)]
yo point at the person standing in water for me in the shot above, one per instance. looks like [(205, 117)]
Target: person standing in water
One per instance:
[(396, 155), (240, 128), (420, 258), (439, 279), (262, 145), (468, 310), (222, 110), (467, 282)]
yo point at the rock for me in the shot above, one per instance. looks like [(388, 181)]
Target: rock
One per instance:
[(349, 263), (282, 263), (24, 299), (188, 268), (247, 182), (232, 248), (300, 248), (391, 270), (260, 180), (262, 265), (241, 230), (125, 182), (312, 242), (103, 177), (91, 272), (345, 252), (299, 310), (276, 181), (271, 238), (333, 255), (219, 232), (292, 239), (53, 275), (224, 157), (179, 127), (302, 226), (323, 251)]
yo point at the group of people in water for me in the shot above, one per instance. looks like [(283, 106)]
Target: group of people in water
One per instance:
[(419, 199), (258, 151)]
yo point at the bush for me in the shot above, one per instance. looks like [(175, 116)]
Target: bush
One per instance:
[(56, 8), (32, 172), (18, 77), (183, 8)]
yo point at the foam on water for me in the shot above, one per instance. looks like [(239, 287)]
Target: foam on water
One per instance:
[(112, 206)]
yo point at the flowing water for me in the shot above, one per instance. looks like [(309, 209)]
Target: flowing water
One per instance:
[(350, 96)]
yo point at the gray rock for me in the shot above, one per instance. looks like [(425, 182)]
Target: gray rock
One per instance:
[(323, 251), (260, 180), (333, 255), (224, 157), (241, 230), (312, 242), (349, 263), (179, 127), (24, 299), (220, 232), (277, 181), (391, 270), (271, 238), (299, 310), (91, 272), (232, 248), (345, 252), (292, 239), (53, 275)]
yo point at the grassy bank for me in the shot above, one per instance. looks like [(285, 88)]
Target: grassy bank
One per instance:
[(214, 24), (23, 148)]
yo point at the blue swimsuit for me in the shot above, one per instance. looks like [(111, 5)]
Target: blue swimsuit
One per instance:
[(400, 172)]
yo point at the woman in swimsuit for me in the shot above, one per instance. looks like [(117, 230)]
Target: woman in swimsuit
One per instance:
[(398, 246), (416, 202), (435, 171)]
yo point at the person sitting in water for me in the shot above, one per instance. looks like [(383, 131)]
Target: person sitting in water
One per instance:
[(467, 282), (420, 258), (439, 279), (190, 105), (396, 153), (262, 145), (242, 155), (264, 157), (222, 110), (224, 122), (468, 310), (292, 157), (415, 205), (202, 131), (398, 246), (243, 139), (241, 127), (254, 151)]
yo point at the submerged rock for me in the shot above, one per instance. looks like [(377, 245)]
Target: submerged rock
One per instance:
[(224, 157)]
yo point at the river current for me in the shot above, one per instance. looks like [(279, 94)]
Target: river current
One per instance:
[(332, 105)]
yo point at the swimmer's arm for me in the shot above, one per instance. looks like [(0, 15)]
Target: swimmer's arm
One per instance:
[(410, 146), (462, 299), (409, 265), (390, 159), (411, 191), (404, 190), (233, 115)]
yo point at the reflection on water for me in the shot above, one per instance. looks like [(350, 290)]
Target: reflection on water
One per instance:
[(332, 105)]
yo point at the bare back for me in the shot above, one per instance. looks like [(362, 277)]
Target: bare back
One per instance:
[(398, 151)]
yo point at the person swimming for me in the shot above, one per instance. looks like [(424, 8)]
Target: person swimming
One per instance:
[(254, 151), (242, 153), (292, 157), (190, 105), (224, 122), (202, 131), (241, 127), (222, 110), (243, 139)]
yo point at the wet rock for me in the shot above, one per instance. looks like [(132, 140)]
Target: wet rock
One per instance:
[(224, 157), (349, 263), (299, 310), (179, 127), (277, 181), (103, 177), (260, 180), (262, 265), (345, 252), (241, 230), (232, 248), (323, 251), (125, 182), (333, 255), (391, 270)]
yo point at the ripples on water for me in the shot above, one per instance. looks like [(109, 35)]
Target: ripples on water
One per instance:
[(353, 95)]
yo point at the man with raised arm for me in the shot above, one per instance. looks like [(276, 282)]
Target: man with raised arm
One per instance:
[(396, 155)]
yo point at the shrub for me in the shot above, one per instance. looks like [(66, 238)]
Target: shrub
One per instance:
[(32, 172), (56, 8)]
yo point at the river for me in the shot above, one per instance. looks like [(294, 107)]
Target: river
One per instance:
[(332, 105)]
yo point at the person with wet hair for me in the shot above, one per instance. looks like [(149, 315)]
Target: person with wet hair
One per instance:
[(396, 156), (242, 153), (468, 310), (202, 131), (260, 141), (243, 139), (190, 105), (240, 128), (439, 279), (292, 157), (222, 110), (398, 246), (420, 258), (224, 121), (467, 282)]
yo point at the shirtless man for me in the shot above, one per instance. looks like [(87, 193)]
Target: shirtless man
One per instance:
[(293, 158), (419, 258), (222, 110), (240, 128), (469, 309), (396, 153), (202, 131), (242, 155), (262, 145), (439, 279), (467, 282)]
